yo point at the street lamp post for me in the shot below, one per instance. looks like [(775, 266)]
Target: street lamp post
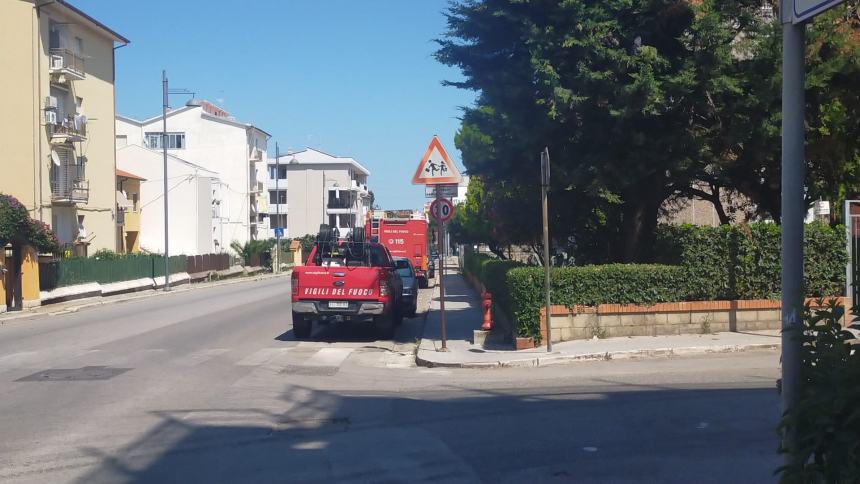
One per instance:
[(277, 208)]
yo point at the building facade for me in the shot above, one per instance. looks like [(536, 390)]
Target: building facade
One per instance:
[(194, 203), (128, 212), (57, 128), (310, 187), (205, 135)]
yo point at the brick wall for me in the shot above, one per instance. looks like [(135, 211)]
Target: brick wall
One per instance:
[(699, 317)]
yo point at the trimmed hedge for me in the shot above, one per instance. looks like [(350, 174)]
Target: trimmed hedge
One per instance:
[(492, 273), (590, 285), (742, 261)]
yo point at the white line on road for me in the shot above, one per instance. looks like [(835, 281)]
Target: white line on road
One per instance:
[(329, 357)]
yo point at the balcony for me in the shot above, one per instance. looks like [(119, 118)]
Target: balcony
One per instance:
[(256, 155), (68, 180), (64, 62), (68, 130), (132, 221), (281, 184), (275, 208), (120, 215), (341, 204)]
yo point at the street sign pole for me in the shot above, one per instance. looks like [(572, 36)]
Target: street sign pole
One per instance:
[(793, 102), (441, 250), (277, 208), (544, 188), (164, 93)]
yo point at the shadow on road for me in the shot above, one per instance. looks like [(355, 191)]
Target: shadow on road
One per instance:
[(724, 435)]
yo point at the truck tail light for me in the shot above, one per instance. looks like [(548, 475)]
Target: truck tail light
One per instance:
[(294, 280), (383, 284)]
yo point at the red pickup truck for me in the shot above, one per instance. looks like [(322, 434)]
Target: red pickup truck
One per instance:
[(346, 280)]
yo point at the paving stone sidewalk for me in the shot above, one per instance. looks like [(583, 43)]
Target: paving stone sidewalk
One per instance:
[(463, 316)]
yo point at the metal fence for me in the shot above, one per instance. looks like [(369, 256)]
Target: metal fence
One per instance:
[(79, 270), (207, 262)]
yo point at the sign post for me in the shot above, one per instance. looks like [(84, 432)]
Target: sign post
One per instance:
[(794, 14), (544, 188), (435, 171)]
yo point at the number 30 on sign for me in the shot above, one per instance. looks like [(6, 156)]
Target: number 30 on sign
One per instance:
[(441, 209)]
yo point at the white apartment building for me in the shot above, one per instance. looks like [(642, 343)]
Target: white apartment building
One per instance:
[(313, 188), (193, 200), (207, 136)]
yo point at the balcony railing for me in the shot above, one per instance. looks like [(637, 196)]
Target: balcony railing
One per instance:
[(340, 203), (64, 61), (69, 183), (120, 215), (68, 130)]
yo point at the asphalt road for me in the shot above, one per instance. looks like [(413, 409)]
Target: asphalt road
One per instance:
[(209, 386)]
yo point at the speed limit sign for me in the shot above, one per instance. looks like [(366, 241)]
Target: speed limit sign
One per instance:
[(441, 209)]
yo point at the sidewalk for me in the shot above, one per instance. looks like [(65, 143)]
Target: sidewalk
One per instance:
[(75, 305), (463, 316)]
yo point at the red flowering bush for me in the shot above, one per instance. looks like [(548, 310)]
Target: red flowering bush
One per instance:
[(17, 227), (42, 237), (13, 220)]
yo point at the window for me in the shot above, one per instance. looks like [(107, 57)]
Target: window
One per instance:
[(282, 172), (332, 220), (79, 45), (279, 196), (134, 201), (175, 141)]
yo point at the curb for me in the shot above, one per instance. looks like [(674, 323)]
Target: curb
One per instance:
[(558, 359), (94, 302)]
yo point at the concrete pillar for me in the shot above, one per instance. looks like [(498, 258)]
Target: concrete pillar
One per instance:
[(30, 277)]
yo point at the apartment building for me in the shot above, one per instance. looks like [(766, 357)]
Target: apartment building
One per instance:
[(57, 130), (194, 202), (207, 136), (310, 187)]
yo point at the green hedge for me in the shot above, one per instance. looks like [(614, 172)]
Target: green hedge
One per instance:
[(743, 261), (590, 285), (492, 273)]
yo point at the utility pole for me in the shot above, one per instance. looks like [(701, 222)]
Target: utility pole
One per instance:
[(441, 248), (164, 152), (277, 208), (544, 188), (793, 173)]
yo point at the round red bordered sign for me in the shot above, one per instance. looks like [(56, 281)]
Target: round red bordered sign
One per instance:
[(441, 209)]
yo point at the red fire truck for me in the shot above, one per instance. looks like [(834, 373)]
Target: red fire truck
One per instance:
[(404, 234)]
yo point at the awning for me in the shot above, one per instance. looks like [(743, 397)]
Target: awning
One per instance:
[(121, 200)]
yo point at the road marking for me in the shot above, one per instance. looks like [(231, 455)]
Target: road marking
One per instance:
[(329, 357), (260, 356)]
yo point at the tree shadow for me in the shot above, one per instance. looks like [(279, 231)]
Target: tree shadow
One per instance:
[(460, 435)]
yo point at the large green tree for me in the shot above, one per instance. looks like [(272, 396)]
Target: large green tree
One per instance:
[(638, 101)]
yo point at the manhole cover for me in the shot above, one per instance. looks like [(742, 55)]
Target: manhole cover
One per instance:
[(87, 373)]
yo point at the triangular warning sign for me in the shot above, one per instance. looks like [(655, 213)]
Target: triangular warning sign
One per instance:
[(435, 167)]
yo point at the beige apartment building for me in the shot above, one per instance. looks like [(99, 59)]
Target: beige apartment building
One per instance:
[(57, 153)]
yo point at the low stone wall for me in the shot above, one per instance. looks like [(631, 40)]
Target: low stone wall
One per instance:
[(698, 317)]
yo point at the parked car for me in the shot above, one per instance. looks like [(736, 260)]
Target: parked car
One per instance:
[(406, 271)]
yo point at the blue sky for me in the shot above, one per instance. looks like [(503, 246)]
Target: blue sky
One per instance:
[(353, 78)]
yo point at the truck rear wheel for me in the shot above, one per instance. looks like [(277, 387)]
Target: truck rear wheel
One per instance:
[(301, 327)]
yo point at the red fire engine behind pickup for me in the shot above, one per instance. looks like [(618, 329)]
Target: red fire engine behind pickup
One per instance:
[(404, 236)]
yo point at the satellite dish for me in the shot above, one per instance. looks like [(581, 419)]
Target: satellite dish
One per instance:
[(55, 157)]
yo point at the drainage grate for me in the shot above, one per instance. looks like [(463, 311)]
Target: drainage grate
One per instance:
[(87, 373)]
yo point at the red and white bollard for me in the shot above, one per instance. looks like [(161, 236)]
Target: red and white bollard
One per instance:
[(487, 307)]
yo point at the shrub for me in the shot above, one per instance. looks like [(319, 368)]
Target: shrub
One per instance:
[(42, 237), (825, 419), (590, 285), (14, 220), (743, 261)]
